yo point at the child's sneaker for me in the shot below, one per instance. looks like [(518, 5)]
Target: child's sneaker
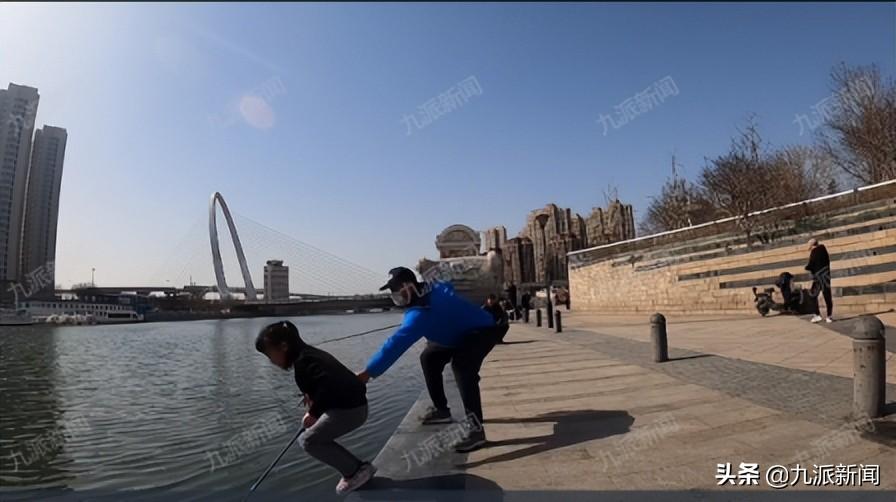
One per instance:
[(365, 472), (816, 318), (828, 319), (436, 416)]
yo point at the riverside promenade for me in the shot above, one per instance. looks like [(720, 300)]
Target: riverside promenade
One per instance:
[(586, 414)]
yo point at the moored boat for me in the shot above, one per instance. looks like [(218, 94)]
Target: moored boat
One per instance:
[(20, 317), (80, 313)]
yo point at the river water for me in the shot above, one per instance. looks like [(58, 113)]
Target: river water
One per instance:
[(185, 410)]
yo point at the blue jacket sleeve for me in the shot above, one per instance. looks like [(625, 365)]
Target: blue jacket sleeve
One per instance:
[(400, 341)]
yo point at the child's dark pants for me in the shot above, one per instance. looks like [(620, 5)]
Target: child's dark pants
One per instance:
[(319, 439)]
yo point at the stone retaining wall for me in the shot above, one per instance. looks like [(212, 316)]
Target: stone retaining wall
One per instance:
[(709, 268)]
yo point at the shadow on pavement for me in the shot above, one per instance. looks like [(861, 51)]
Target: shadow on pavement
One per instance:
[(467, 487), (846, 325), (570, 427), (856, 316), (884, 430), (748, 317), (698, 356)]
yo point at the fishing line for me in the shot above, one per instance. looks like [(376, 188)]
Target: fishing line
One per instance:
[(359, 334)]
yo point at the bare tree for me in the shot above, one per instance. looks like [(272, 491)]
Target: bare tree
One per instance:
[(750, 177), (679, 205), (860, 123), (801, 173), (741, 181)]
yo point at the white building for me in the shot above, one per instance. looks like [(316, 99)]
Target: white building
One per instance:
[(42, 203), (18, 110), (276, 281)]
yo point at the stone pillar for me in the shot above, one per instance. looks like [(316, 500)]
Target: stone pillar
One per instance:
[(658, 336), (869, 367), (549, 310)]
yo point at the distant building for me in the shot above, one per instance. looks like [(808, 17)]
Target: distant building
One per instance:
[(554, 231), (276, 281), (42, 206), (538, 254), (495, 238), (519, 261), (457, 241), (614, 224), (18, 110)]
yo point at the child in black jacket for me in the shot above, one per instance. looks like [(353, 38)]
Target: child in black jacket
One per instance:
[(336, 400)]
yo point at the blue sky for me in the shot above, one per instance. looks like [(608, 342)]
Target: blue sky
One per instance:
[(150, 95)]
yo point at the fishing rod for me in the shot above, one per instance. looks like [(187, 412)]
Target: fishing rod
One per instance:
[(301, 430), (271, 467)]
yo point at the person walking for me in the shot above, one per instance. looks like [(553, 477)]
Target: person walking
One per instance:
[(820, 267), (526, 304), (511, 295)]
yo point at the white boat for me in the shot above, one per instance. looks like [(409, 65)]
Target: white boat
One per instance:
[(20, 317), (71, 319), (80, 313)]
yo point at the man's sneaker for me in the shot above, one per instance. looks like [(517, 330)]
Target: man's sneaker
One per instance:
[(436, 416), (816, 318), (828, 319), (474, 441), (357, 480)]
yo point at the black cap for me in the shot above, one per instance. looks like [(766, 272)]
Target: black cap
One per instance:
[(400, 275)]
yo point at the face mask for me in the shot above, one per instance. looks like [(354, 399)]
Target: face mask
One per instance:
[(398, 299)]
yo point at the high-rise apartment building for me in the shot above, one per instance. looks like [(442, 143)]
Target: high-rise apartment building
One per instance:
[(42, 206), (18, 110)]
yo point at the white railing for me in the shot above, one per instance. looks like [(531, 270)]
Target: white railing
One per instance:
[(734, 218)]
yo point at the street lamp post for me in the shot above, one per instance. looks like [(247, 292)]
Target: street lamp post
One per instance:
[(547, 280)]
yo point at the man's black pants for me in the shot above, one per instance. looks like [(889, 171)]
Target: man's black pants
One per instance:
[(466, 360), (828, 298), (821, 282)]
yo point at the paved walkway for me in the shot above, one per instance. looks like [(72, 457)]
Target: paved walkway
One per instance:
[(888, 318), (585, 412), (786, 341)]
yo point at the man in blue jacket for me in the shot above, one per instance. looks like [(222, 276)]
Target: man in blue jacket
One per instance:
[(456, 331)]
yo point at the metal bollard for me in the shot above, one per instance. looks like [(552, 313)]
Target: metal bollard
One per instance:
[(548, 312), (526, 315), (538, 318), (869, 366), (557, 322), (658, 336)]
